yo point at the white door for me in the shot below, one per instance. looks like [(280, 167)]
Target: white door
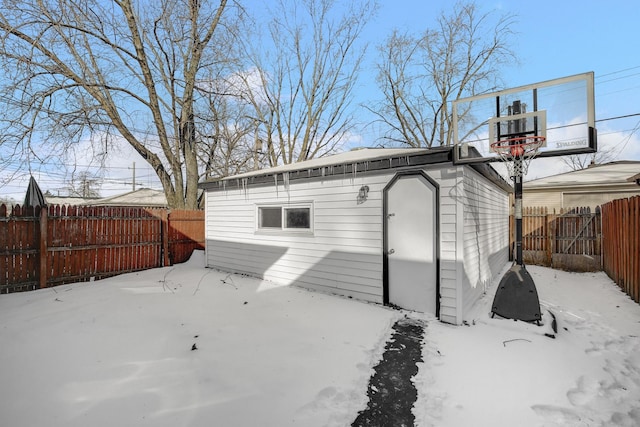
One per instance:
[(411, 244)]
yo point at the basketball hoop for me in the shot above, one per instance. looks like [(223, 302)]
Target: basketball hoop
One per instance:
[(511, 125), (518, 152)]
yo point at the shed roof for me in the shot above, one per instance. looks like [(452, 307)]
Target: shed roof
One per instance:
[(608, 174), (354, 162), (348, 157)]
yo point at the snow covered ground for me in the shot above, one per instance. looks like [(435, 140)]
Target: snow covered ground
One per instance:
[(119, 352), (499, 372)]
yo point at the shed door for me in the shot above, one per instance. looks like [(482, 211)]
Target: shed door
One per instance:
[(411, 217)]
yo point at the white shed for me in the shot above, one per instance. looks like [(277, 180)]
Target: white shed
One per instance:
[(403, 227)]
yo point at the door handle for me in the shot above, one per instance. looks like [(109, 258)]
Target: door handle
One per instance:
[(391, 251)]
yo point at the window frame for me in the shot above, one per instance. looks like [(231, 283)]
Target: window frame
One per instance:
[(283, 229)]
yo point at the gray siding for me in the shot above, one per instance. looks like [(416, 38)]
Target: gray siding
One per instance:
[(485, 237)]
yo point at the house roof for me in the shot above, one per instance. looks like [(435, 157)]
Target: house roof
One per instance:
[(354, 162), (608, 174), (142, 197), (635, 178), (63, 200)]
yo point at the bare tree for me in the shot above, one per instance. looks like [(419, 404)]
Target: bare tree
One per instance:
[(124, 68), (303, 77), (84, 185), (420, 75), (228, 143), (582, 161)]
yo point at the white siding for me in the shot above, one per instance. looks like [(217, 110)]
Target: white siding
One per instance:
[(486, 235), (447, 179), (343, 254)]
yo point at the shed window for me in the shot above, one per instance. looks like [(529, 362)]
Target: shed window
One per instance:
[(270, 217), (297, 217), (291, 217)]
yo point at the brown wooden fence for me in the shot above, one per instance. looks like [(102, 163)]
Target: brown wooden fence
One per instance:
[(621, 243), (48, 247), (569, 240)]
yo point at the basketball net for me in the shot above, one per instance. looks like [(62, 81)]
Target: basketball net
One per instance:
[(517, 153)]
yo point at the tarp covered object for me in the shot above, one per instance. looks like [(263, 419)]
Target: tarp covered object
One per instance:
[(34, 196)]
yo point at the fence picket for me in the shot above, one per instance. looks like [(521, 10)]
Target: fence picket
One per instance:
[(621, 244), (562, 239)]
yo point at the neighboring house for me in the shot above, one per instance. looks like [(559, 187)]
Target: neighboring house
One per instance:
[(403, 227), (143, 197), (68, 201), (593, 186)]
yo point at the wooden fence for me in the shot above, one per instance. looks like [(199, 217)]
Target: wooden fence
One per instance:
[(569, 240), (48, 247), (621, 244)]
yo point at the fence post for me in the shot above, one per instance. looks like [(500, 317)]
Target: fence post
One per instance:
[(43, 247), (598, 243), (551, 236), (165, 237)]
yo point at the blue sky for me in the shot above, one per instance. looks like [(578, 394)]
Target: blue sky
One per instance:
[(554, 39)]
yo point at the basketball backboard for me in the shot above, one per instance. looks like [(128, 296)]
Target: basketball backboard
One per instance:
[(561, 112)]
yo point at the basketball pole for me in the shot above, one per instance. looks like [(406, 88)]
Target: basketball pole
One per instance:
[(517, 127), (517, 201), (516, 297)]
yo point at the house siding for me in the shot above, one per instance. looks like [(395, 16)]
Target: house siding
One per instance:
[(485, 236), (552, 200), (576, 197)]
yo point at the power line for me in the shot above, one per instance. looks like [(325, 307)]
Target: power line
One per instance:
[(617, 72), (624, 145), (613, 132), (618, 117), (618, 78)]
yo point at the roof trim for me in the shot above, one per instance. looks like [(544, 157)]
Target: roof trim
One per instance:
[(353, 163)]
